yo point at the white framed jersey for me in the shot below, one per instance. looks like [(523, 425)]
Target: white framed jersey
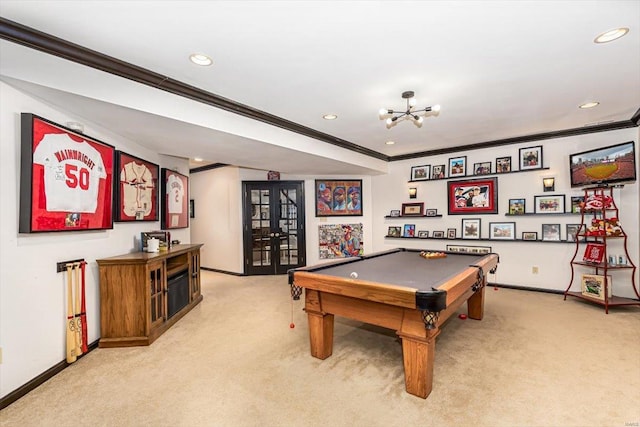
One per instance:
[(137, 189)]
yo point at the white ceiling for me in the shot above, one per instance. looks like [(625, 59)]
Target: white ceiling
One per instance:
[(499, 70)]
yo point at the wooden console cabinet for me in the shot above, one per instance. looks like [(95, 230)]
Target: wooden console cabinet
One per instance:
[(135, 299)]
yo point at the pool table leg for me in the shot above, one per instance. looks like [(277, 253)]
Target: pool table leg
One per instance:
[(418, 356), (475, 304), (320, 326)]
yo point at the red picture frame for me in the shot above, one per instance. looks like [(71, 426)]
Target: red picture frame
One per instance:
[(135, 189), (473, 196), (66, 179), (175, 200)]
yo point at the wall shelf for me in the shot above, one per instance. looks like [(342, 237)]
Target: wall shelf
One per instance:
[(545, 214), (478, 176), (414, 216), (481, 239)]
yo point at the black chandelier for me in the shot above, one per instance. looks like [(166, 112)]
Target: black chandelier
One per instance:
[(410, 114)]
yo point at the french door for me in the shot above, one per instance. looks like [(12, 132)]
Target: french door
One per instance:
[(274, 235)]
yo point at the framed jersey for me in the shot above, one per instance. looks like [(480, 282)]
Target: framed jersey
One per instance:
[(66, 179), (135, 189), (175, 200)]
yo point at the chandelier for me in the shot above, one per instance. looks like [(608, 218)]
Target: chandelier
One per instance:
[(393, 117)]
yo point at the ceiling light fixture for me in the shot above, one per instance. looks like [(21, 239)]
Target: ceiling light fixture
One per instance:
[(197, 159), (200, 59), (611, 35), (411, 113), (330, 117), (390, 142), (589, 105)]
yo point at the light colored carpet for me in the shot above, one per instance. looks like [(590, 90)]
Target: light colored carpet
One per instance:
[(535, 360)]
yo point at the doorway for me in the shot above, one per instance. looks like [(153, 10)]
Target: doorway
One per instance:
[(274, 234)]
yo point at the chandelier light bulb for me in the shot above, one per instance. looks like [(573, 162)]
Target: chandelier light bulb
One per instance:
[(419, 120), (383, 112), (389, 122), (412, 102), (436, 108)]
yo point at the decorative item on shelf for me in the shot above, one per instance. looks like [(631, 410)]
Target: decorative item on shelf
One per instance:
[(394, 231), (572, 232), (502, 230), (431, 212), (548, 204), (594, 253), (409, 230), (548, 184), (483, 168), (451, 233), (529, 235), (413, 209), (438, 234), (423, 234), (411, 113), (551, 232), (593, 285), (413, 192), (437, 172), (577, 202), (457, 166), (517, 206), (531, 158), (503, 164), (394, 212), (604, 227), (597, 202), (420, 173), (471, 228)]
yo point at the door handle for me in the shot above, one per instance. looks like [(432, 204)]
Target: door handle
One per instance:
[(272, 234)]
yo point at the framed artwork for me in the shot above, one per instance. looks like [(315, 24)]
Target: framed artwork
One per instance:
[(502, 230), (551, 232), (136, 189), (338, 197), (482, 168), (192, 208), (593, 285), (529, 235), (531, 158), (394, 231), (572, 232), (438, 172), (469, 249), (175, 197), (517, 206), (431, 212), (438, 234), (457, 166), (423, 234), (471, 228), (395, 212), (451, 233), (66, 179), (340, 240), (413, 209), (503, 164), (474, 196), (409, 230), (548, 204), (576, 204), (420, 173)]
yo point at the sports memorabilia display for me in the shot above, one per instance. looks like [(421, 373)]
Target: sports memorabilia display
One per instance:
[(136, 190), (175, 199)]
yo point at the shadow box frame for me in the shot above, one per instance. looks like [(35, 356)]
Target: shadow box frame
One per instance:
[(171, 220), (119, 211), (413, 209), (455, 202), (52, 166)]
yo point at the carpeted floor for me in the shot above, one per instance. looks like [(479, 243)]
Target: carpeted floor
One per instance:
[(535, 360)]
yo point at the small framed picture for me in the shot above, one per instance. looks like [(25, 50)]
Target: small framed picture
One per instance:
[(394, 231), (437, 172), (431, 212), (482, 168), (593, 285), (529, 235), (420, 173), (423, 234), (413, 209), (438, 234), (517, 206), (469, 249), (192, 208), (503, 164), (551, 232), (395, 212), (457, 166), (531, 158), (451, 233), (548, 204), (409, 230), (572, 232), (502, 230), (576, 204), (471, 228)]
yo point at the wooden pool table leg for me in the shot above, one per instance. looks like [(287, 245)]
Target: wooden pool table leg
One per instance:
[(475, 304), (320, 326), (418, 356)]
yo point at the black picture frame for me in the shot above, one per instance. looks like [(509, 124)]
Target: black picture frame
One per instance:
[(517, 206), (192, 208), (551, 204), (175, 198), (420, 173), (471, 228), (135, 189), (483, 168), (530, 158), (438, 172), (457, 167), (502, 230), (503, 164), (550, 232), (338, 197)]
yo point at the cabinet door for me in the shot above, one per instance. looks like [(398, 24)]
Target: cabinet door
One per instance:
[(194, 274), (158, 285)]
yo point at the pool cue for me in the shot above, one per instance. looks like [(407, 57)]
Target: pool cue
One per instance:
[(83, 313), (71, 339), (76, 310)]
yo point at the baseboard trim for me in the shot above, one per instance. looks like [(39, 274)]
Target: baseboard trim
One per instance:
[(526, 288), (232, 273), (40, 379)]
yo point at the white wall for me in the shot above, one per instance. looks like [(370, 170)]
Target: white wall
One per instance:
[(32, 301)]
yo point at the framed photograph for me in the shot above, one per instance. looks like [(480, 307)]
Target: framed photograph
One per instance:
[(438, 234), (529, 235), (457, 166), (175, 198), (469, 249), (531, 158), (482, 168), (409, 230), (451, 233), (66, 179), (431, 212), (413, 209), (338, 197), (473, 196), (395, 212), (502, 230), (593, 285), (438, 172), (136, 190), (551, 232), (576, 204), (420, 173), (471, 228), (572, 232), (548, 204), (423, 234), (503, 164), (192, 208), (394, 231), (517, 206)]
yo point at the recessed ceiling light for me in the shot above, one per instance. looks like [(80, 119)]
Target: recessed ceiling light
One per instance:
[(611, 35), (200, 59), (329, 117), (390, 142), (589, 105), (197, 159)]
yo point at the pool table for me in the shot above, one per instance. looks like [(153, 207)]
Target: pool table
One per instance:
[(396, 289)]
